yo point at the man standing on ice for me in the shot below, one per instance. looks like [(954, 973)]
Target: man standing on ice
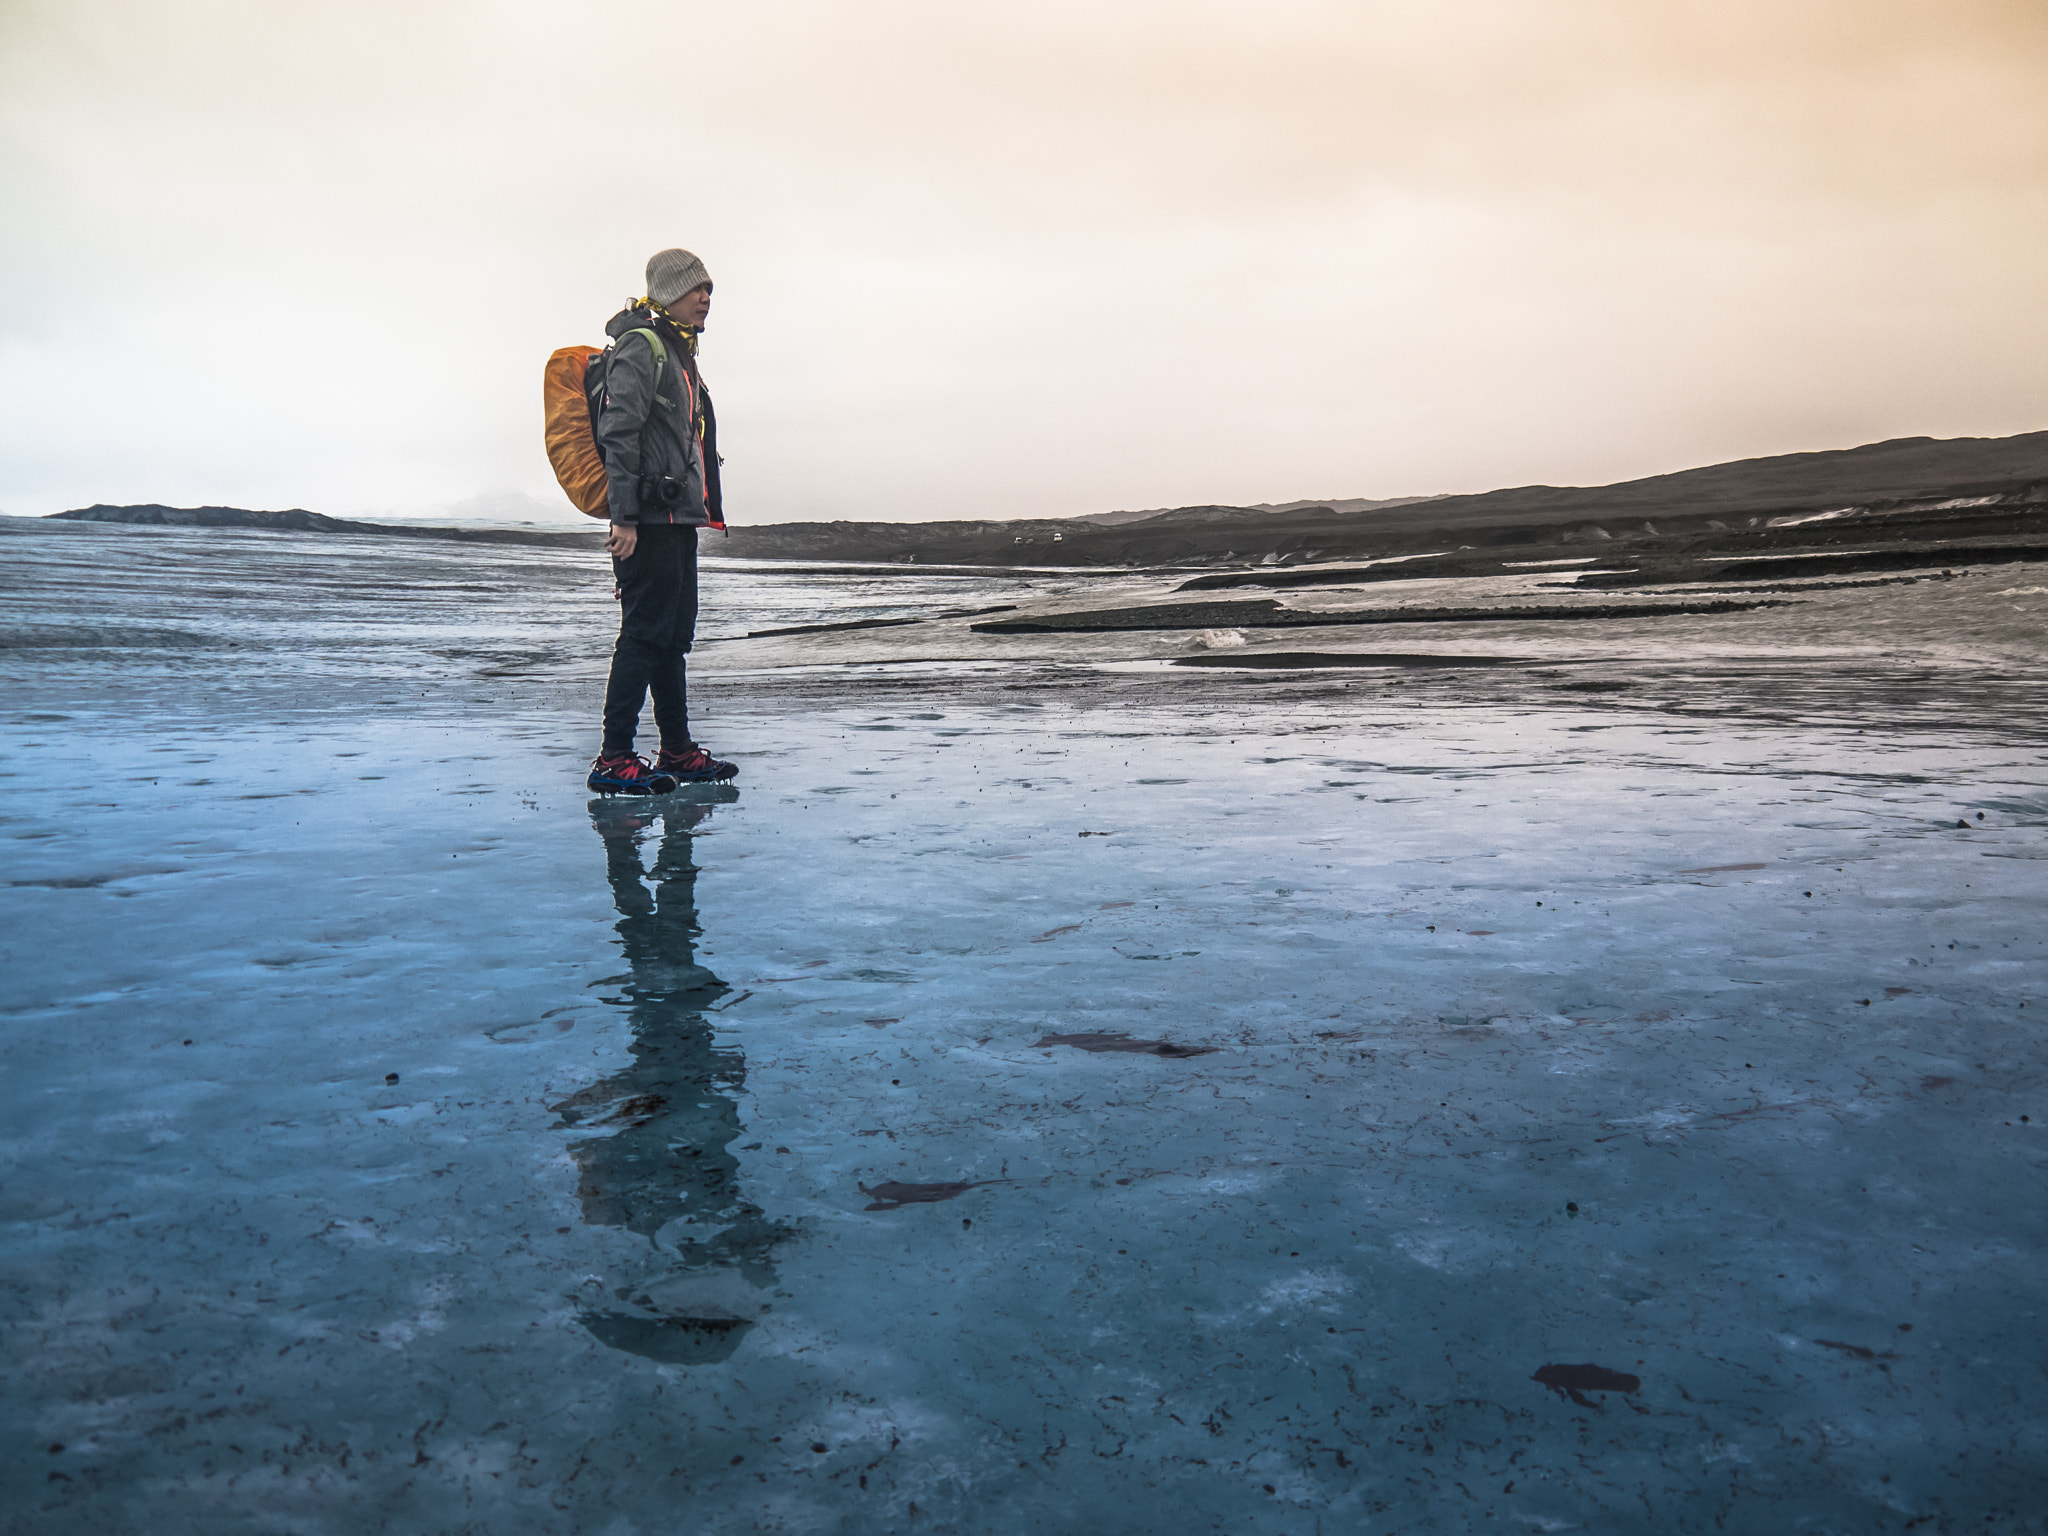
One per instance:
[(659, 439)]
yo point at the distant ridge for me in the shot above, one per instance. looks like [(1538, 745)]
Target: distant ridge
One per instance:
[(210, 517), (1688, 502)]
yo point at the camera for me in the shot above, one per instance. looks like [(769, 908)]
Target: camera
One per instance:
[(662, 490)]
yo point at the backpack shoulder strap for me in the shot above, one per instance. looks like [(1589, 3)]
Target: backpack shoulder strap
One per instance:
[(653, 340)]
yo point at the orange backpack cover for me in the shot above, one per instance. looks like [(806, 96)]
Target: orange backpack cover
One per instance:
[(572, 443)]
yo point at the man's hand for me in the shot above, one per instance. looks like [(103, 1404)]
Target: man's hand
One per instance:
[(621, 540)]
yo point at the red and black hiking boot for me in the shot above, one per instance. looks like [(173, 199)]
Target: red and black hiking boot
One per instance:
[(622, 773), (693, 765)]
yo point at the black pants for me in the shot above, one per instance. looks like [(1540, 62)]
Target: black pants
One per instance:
[(657, 621)]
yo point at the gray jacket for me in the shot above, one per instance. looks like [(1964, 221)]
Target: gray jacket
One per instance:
[(655, 428)]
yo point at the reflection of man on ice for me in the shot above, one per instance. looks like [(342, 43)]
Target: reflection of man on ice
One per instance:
[(659, 438), (653, 1138)]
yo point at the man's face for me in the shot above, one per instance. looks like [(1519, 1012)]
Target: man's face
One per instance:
[(693, 306)]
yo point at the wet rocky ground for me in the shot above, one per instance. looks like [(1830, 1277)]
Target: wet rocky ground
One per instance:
[(1054, 1090)]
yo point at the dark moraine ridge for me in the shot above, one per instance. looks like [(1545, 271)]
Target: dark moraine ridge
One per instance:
[(1312, 661), (1264, 613)]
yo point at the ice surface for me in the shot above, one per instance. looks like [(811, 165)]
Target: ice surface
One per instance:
[(398, 1139)]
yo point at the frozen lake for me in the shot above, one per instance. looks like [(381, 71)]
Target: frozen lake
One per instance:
[(1051, 1092)]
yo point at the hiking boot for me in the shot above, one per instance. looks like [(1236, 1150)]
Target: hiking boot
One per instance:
[(693, 765), (623, 773)]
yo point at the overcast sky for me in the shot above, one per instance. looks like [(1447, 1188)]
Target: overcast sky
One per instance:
[(1000, 260)]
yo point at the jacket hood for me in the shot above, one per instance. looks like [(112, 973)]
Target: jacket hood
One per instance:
[(632, 317), (639, 317)]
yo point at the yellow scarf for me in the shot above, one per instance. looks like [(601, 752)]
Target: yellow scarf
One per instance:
[(689, 332)]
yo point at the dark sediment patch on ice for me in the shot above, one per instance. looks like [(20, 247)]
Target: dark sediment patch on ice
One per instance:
[(893, 1196), (916, 568), (1091, 1041), (63, 883), (1913, 557), (1859, 1351), (1310, 659), (820, 629), (668, 1340), (1412, 568), (1267, 614), (1652, 567), (1701, 590), (93, 637), (1574, 1381)]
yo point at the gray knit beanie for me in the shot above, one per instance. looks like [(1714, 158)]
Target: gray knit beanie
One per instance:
[(673, 273)]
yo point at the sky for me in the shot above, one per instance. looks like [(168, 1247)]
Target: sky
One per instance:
[(987, 259)]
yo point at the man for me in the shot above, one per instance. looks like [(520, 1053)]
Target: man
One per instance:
[(659, 439)]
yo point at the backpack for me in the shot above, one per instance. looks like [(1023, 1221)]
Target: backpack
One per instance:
[(574, 376)]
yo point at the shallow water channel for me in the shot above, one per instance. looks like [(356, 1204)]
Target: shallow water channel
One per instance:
[(1018, 1112)]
